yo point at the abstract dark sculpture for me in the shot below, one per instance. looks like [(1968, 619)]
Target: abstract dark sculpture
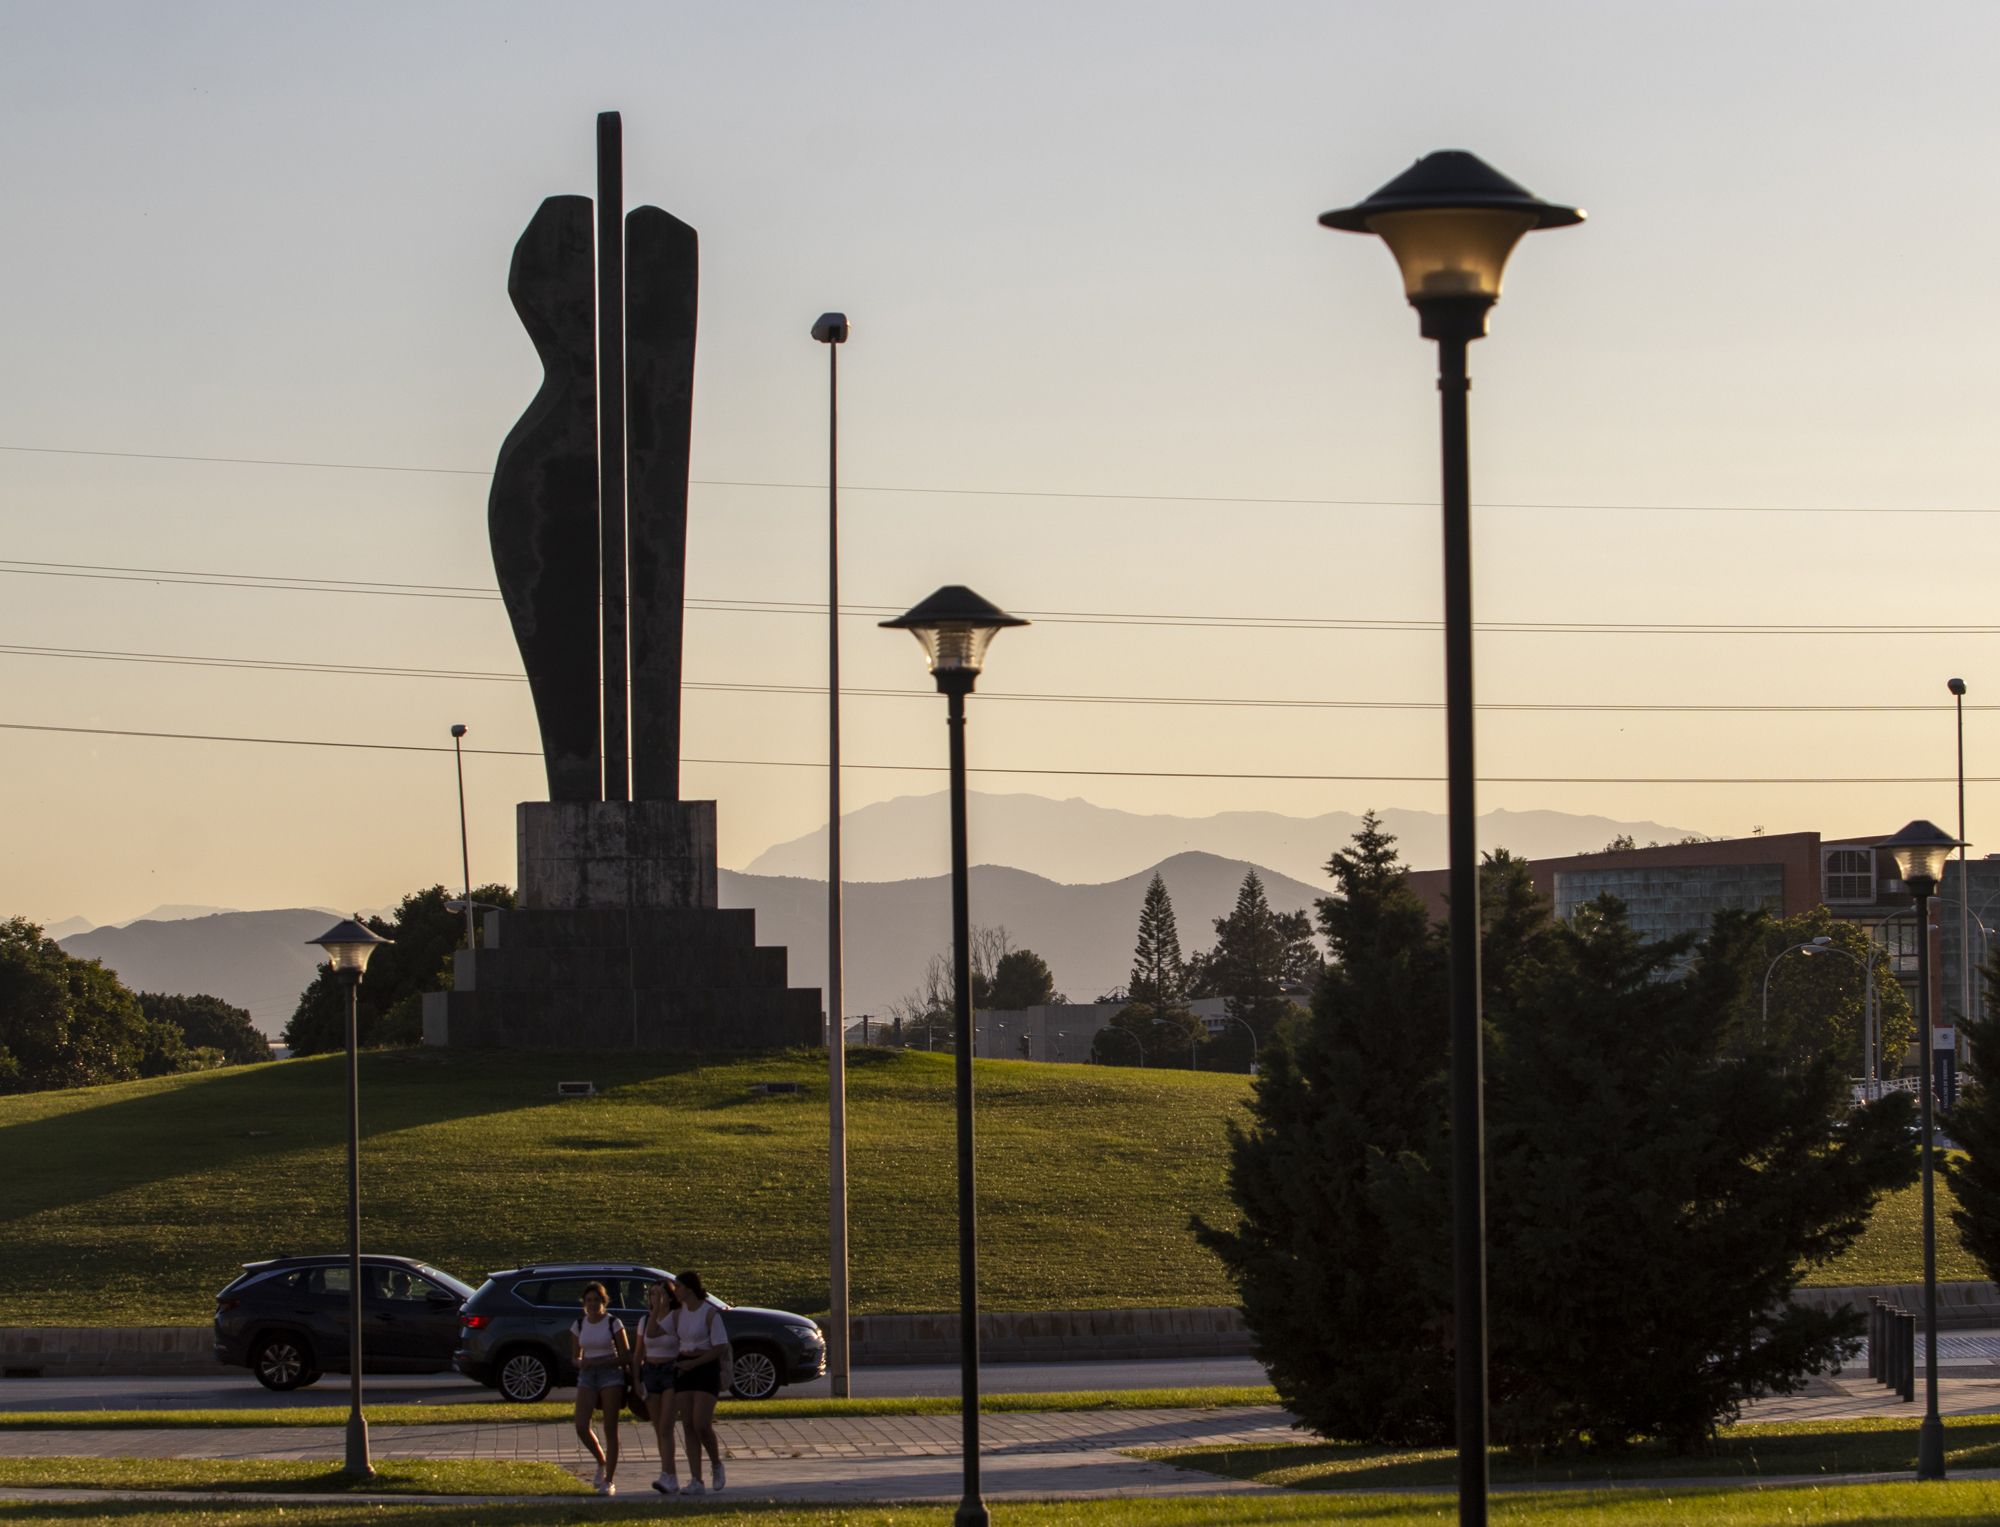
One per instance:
[(588, 512), (617, 940)]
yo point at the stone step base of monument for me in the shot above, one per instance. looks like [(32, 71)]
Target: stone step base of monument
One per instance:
[(684, 979), (611, 1018)]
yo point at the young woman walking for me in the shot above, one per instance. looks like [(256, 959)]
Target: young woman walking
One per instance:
[(600, 1346), (698, 1376), (658, 1346)]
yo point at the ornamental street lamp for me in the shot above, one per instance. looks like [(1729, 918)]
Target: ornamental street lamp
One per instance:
[(1451, 220), (1921, 850), (955, 627), (831, 330), (349, 945)]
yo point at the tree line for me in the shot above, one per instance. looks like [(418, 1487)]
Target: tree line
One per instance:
[(69, 1022)]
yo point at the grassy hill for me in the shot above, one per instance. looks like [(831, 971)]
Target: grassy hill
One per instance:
[(133, 1203)]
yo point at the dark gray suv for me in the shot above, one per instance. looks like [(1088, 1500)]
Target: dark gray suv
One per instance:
[(515, 1330), (286, 1319)]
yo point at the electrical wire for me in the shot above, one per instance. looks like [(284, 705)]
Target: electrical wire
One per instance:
[(1029, 493), (791, 763), (204, 578), (818, 691)]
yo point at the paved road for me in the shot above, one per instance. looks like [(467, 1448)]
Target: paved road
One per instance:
[(240, 1391)]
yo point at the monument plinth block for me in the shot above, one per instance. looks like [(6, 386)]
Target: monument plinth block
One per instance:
[(616, 856)]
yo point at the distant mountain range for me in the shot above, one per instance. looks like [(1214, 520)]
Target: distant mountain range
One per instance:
[(257, 960), (1078, 843), (1085, 932), (1065, 878)]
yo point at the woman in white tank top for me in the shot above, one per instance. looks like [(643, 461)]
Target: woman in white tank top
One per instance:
[(599, 1345)]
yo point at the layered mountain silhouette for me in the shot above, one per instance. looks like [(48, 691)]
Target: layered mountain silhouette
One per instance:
[(1078, 843), (257, 960)]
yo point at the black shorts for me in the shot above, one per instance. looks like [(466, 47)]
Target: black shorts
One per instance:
[(703, 1378), (658, 1378)]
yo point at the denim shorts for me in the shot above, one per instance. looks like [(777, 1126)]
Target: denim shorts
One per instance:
[(600, 1376), (658, 1378)]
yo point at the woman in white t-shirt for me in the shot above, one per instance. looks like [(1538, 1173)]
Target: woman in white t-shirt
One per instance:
[(658, 1346), (599, 1347), (698, 1376)]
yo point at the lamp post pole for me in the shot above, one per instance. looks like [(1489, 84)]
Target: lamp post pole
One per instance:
[(955, 626), (464, 843), (1957, 688), (831, 331), (1921, 852), (357, 1423), (348, 945), (1451, 221)]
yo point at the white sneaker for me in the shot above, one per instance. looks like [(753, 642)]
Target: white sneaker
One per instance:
[(607, 1488), (716, 1475), (597, 1480), (667, 1484), (693, 1487)]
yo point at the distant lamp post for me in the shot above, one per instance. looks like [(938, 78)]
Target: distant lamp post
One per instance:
[(955, 626), (1811, 946), (464, 843), (349, 945), (1921, 850), (1451, 220), (831, 330)]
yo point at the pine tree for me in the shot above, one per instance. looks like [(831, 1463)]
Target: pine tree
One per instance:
[(1352, 1348), (1257, 953), (1159, 976)]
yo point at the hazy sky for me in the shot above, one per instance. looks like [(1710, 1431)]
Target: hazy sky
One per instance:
[(1077, 242)]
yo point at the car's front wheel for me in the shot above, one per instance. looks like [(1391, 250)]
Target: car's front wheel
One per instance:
[(754, 1374), (282, 1363), (526, 1375)]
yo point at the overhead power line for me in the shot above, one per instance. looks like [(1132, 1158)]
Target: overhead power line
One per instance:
[(1028, 493), (790, 763), (818, 691), (207, 578)]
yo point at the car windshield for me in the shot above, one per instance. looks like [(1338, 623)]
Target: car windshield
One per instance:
[(463, 1290)]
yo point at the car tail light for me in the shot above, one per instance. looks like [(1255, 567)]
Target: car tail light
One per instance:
[(474, 1322)]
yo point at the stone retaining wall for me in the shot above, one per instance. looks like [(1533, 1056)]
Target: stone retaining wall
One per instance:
[(885, 1340)]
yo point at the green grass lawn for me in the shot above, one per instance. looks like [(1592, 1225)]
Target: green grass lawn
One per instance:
[(395, 1476), (504, 1412), (1952, 1504), (1864, 1446), (143, 1196)]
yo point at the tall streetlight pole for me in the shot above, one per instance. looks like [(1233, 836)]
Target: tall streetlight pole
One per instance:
[(464, 843), (1921, 851), (1957, 688), (348, 945), (1451, 220), (831, 331), (955, 626)]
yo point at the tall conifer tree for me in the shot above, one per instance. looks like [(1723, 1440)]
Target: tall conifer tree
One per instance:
[(1159, 975)]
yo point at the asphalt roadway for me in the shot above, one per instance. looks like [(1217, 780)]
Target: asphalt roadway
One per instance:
[(239, 1391)]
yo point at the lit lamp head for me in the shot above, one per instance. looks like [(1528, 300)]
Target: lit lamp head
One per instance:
[(1451, 220), (954, 627), (1920, 851), (348, 945)]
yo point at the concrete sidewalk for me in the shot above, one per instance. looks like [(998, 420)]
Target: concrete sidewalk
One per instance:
[(1022, 1455)]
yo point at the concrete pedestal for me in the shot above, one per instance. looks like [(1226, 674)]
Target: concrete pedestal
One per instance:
[(618, 944)]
